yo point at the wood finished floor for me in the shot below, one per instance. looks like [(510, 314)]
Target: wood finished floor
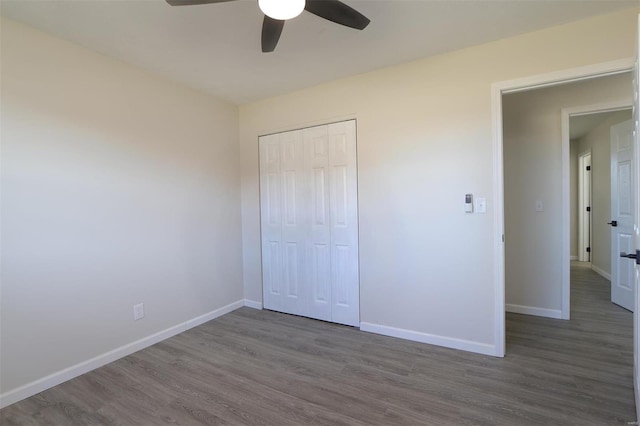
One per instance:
[(263, 368)]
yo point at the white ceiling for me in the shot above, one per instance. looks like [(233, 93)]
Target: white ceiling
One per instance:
[(216, 47)]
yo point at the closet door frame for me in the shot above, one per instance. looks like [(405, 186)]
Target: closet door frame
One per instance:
[(325, 206)]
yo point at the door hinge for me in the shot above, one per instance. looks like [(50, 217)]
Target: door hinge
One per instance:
[(588, 168), (588, 249), (503, 238), (589, 209)]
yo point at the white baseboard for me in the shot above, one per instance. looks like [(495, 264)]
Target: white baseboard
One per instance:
[(531, 310), (600, 272), (432, 339), (574, 257), (252, 304), (636, 385), (62, 376)]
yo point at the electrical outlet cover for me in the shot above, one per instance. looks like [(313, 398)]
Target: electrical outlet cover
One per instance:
[(138, 311)]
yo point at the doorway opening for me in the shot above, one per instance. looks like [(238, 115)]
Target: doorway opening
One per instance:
[(590, 149), (534, 199), (557, 201)]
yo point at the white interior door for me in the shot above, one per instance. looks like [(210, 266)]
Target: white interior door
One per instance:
[(293, 222), (271, 221), (636, 133), (622, 214), (316, 154), (344, 223), (309, 218)]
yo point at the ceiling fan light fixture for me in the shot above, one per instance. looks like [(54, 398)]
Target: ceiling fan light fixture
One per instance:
[(281, 9)]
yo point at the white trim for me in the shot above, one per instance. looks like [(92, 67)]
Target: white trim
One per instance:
[(306, 124), (532, 310), (432, 339), (598, 109), (511, 86), (582, 204), (252, 304), (565, 220), (574, 257), (636, 149), (74, 371), (601, 272), (636, 386), (498, 224), (570, 75)]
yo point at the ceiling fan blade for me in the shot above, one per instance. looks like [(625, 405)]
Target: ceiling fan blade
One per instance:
[(271, 30), (338, 12), (192, 2)]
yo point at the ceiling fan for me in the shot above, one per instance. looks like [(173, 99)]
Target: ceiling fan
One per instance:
[(276, 12)]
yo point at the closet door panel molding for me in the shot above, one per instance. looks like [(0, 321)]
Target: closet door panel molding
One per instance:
[(294, 218), (344, 223), (271, 221), (316, 147)]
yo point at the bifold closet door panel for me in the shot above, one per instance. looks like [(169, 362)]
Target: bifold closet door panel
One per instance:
[(271, 221), (294, 224), (343, 192), (316, 154), (283, 220)]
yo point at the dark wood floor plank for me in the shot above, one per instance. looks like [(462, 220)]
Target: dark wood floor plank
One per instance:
[(255, 367)]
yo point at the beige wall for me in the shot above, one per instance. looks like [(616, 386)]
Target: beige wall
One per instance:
[(532, 158), (598, 140), (424, 140), (134, 191), (117, 188)]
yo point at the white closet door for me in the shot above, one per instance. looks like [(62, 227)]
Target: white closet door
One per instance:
[(344, 223), (294, 226), (308, 203), (316, 148), (271, 221)]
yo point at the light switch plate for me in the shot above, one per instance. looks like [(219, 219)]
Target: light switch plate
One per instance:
[(481, 205), (539, 206)]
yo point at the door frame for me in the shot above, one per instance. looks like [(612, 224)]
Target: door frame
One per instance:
[(567, 113), (498, 89), (583, 179)]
